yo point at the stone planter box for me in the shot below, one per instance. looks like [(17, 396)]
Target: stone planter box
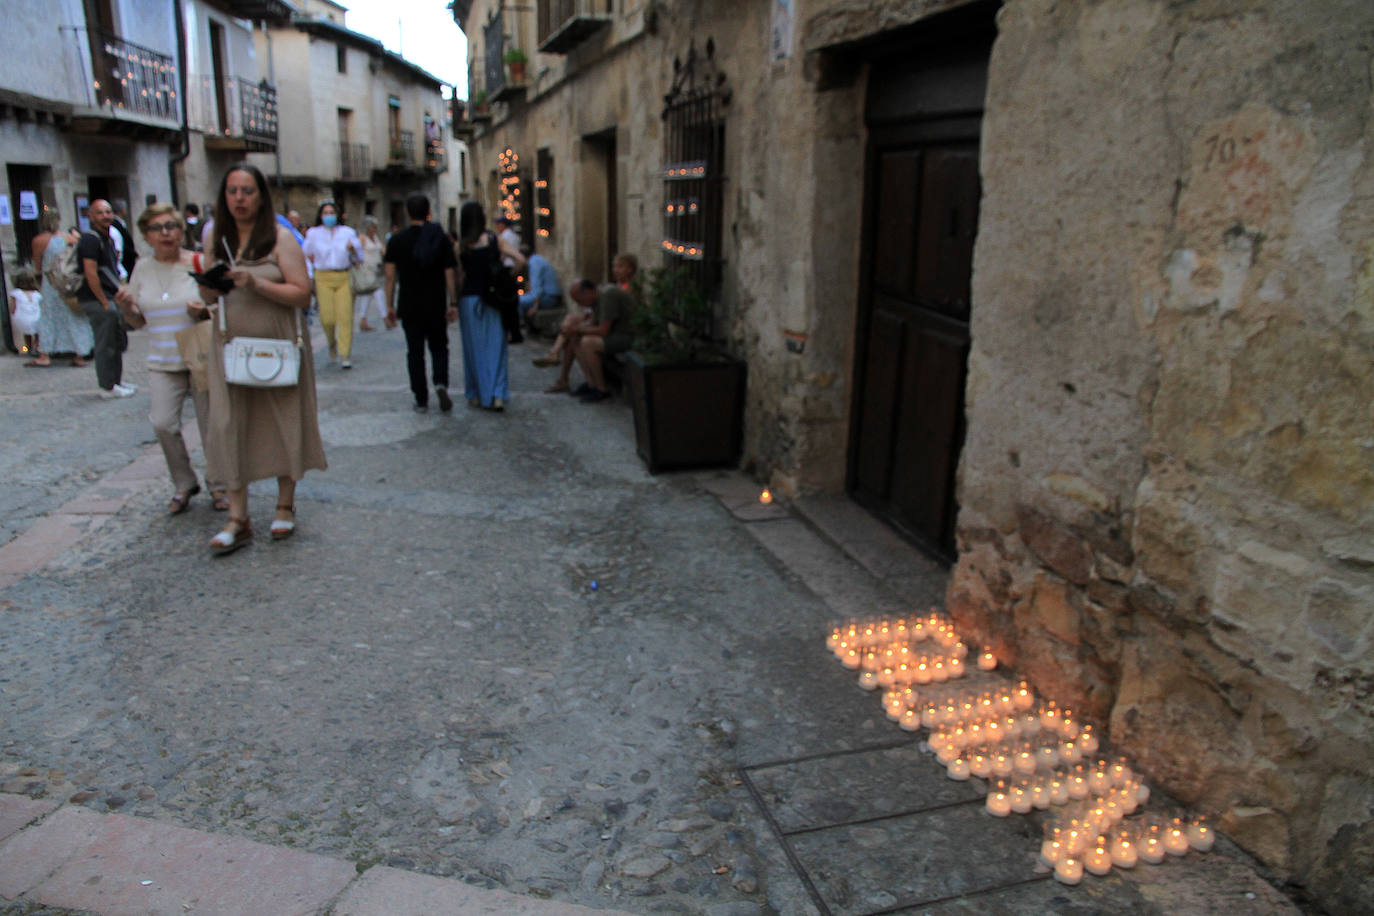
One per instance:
[(687, 415)]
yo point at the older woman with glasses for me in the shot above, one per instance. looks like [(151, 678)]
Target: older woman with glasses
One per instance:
[(162, 296)]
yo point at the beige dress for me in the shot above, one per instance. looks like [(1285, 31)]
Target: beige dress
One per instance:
[(256, 433)]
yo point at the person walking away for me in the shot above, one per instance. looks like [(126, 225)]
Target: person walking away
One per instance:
[(60, 330), (163, 297), (24, 310), (421, 259), (373, 250), (485, 380), (332, 248), (255, 433), (100, 281)]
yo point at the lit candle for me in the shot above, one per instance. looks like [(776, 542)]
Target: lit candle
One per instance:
[(1048, 756), (851, 658), (1040, 795), (910, 721), (1020, 799), (1120, 772), (1024, 762), (958, 768), (1001, 765), (980, 765), (833, 640), (1175, 838), (900, 628), (1069, 752), (1022, 697), (1078, 786), (947, 753), (1051, 848), (1123, 851), (1151, 847), (1098, 860), (921, 672), (987, 661), (1087, 740), (939, 672), (765, 497), (868, 680), (1200, 836), (1099, 779), (955, 667), (1049, 716), (958, 650), (1068, 870), (999, 802), (1059, 791)]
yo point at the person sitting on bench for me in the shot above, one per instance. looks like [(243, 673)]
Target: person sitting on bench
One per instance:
[(603, 329)]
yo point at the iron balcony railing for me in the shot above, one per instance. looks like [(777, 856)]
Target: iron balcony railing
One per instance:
[(402, 148), (234, 108), (565, 24), (436, 157), (355, 162), (129, 78)]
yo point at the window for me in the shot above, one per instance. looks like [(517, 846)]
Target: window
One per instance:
[(342, 58), (693, 170)]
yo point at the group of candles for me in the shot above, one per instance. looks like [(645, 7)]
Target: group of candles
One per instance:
[(1032, 754)]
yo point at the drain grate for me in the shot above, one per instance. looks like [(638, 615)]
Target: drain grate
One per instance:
[(820, 803)]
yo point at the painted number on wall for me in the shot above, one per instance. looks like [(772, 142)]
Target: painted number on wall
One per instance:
[(1221, 150)]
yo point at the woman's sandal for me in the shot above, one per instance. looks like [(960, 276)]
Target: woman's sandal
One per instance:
[(219, 501), (556, 388), (281, 530), (228, 541), (182, 501)]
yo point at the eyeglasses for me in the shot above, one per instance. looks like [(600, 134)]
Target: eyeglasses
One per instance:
[(164, 227)]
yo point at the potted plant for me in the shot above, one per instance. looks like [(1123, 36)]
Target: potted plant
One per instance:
[(516, 60), (479, 105), (687, 395)]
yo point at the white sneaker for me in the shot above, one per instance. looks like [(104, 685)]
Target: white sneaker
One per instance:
[(118, 391), (126, 386)]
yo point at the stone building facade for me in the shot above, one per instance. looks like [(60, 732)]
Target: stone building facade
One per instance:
[(1079, 294), (359, 124)]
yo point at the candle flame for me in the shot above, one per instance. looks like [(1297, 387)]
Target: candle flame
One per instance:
[(765, 497)]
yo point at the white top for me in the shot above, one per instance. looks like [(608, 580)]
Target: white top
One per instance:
[(328, 249), (162, 291), (24, 316)]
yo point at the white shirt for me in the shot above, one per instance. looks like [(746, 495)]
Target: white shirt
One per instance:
[(329, 249), (512, 238)]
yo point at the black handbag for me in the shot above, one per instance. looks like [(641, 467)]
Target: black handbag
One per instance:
[(503, 294)]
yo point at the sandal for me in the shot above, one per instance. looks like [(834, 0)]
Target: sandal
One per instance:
[(543, 362), (219, 501), (556, 388), (228, 541), (281, 530), (182, 501)]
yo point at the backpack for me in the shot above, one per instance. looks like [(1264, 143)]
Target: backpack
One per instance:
[(65, 274)]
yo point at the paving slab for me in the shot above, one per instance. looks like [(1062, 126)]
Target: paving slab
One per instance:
[(118, 864), (383, 891), (18, 811)]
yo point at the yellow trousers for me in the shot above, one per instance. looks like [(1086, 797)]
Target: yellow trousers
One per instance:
[(335, 298)]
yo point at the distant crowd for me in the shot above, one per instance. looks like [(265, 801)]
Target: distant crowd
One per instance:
[(224, 299)]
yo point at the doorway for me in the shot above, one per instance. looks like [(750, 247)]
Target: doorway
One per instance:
[(31, 192), (598, 231), (922, 191)]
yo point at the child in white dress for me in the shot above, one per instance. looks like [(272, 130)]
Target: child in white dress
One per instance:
[(24, 309)]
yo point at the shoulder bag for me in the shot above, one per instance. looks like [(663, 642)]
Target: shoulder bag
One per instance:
[(260, 362)]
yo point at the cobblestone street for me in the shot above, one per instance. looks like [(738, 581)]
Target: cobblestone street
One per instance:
[(496, 652)]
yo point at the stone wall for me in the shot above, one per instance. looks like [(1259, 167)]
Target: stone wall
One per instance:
[(1167, 500)]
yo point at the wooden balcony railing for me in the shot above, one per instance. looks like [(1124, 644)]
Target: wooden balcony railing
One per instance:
[(355, 162), (565, 24), (238, 113)]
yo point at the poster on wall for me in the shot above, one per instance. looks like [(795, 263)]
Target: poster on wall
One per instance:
[(28, 205), (83, 219), (782, 29), (6, 218)]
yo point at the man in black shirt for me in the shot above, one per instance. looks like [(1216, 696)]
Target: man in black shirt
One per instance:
[(100, 271), (421, 258)]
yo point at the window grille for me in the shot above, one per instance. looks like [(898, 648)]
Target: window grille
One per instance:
[(543, 193), (693, 169)]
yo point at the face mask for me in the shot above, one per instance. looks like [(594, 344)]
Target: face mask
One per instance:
[(330, 220)]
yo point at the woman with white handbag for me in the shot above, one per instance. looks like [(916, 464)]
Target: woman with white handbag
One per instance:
[(263, 413)]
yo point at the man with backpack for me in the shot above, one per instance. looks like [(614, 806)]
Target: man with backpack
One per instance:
[(99, 283), (421, 258)]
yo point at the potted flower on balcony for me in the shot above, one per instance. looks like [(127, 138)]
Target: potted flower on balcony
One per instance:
[(480, 110), (687, 395), (516, 60)]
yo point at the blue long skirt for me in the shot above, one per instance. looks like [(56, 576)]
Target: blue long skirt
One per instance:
[(484, 351)]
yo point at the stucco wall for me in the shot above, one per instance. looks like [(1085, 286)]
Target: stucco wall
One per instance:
[(1166, 488)]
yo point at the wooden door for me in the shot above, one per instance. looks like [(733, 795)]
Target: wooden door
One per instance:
[(921, 220)]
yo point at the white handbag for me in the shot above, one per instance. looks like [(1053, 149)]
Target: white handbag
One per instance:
[(260, 362)]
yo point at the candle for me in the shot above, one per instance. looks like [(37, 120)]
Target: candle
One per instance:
[(833, 640), (1040, 795), (1069, 752), (1024, 762), (1078, 786), (900, 629), (1049, 716), (1048, 756), (1175, 838), (851, 658), (939, 672), (1051, 848), (1022, 697), (868, 680), (1001, 765), (980, 765), (1099, 779), (999, 802), (1098, 860), (1087, 740), (1200, 836), (910, 721), (921, 673), (955, 667), (765, 497), (959, 650), (1123, 851), (1120, 772), (987, 661), (1059, 791), (1020, 799), (1151, 848), (1068, 870), (1142, 793), (958, 769)]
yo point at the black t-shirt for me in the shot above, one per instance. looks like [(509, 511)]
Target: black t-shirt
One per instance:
[(421, 254), (100, 250)]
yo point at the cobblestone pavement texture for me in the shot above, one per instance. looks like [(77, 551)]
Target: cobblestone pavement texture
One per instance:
[(496, 651)]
